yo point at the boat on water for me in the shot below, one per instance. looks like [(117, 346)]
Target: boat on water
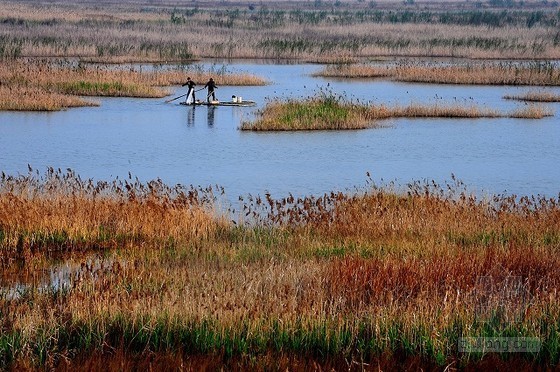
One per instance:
[(236, 101)]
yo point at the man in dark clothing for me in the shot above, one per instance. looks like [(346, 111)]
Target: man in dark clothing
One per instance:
[(190, 93), (211, 85)]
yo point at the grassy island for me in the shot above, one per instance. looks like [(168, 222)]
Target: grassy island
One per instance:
[(535, 96), (328, 112), (504, 73)]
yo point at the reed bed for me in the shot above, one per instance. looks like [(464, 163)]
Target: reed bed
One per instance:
[(96, 218), (535, 97), (292, 30), (333, 280), (537, 73), (532, 112), (36, 99), (329, 112), (42, 85)]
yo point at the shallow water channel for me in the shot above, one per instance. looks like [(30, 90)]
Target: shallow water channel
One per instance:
[(203, 145)]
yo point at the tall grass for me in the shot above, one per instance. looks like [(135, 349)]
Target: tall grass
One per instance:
[(96, 217), (535, 96), (373, 277), (125, 33), (36, 99), (537, 73), (324, 112)]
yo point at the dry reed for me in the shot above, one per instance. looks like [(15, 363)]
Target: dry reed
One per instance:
[(37, 99), (471, 73), (100, 213), (535, 97), (532, 112), (328, 112), (122, 32), (330, 278)]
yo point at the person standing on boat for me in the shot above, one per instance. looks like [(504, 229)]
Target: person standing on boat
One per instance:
[(190, 93), (211, 85)]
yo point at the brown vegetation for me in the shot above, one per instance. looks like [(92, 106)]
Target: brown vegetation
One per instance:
[(375, 276), (310, 31), (36, 99), (535, 97), (470, 73), (327, 112)]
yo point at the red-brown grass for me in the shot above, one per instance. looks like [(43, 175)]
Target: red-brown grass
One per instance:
[(373, 277)]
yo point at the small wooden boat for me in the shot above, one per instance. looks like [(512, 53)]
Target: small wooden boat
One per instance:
[(220, 103)]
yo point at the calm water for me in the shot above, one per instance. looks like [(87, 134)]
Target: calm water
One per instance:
[(203, 146)]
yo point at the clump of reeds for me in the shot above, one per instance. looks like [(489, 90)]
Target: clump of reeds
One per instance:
[(532, 112), (442, 111), (321, 113), (535, 97), (330, 112), (36, 215), (353, 70), (36, 99), (470, 73)]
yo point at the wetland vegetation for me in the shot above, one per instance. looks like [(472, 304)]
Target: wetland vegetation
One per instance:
[(503, 73), (535, 96), (323, 32), (384, 277), (377, 277), (319, 31), (328, 111)]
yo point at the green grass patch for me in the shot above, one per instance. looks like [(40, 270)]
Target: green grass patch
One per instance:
[(325, 112), (323, 340)]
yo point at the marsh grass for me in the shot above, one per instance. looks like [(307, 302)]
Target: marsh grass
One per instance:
[(412, 296), (183, 285), (309, 31), (532, 112), (95, 218), (535, 96), (43, 85), (537, 73), (36, 99), (326, 112), (330, 112)]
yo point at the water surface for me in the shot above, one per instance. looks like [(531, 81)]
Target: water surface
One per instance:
[(203, 145)]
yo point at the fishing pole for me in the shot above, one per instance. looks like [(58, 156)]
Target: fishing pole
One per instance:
[(173, 99)]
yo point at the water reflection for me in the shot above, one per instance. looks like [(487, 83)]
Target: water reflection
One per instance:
[(210, 115), (58, 276), (190, 116)]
